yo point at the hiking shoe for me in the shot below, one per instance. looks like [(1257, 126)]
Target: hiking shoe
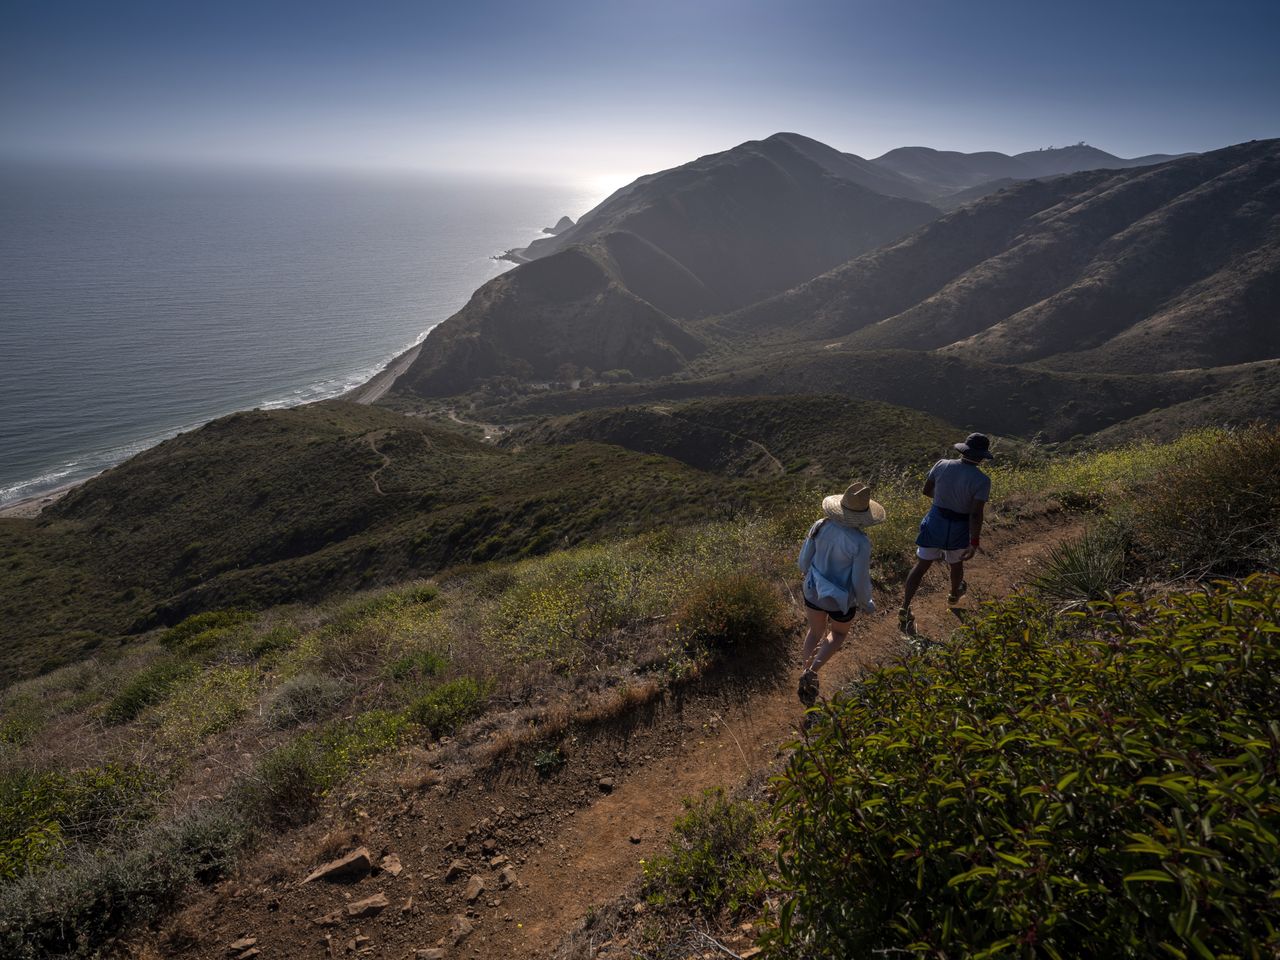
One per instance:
[(808, 689), (953, 599), (906, 622)]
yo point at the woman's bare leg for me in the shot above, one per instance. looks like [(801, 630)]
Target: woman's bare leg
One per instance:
[(817, 630), (825, 652)]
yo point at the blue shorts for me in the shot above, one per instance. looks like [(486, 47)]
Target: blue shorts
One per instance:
[(943, 529)]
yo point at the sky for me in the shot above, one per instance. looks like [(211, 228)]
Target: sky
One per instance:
[(601, 90)]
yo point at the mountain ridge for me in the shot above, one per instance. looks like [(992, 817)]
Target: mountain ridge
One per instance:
[(945, 171), (1053, 271)]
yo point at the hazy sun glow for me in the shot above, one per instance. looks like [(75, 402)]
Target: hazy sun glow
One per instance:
[(572, 89)]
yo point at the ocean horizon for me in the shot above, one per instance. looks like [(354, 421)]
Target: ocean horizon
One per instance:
[(136, 304)]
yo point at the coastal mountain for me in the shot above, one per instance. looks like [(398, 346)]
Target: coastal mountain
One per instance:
[(1147, 270), (617, 289), (692, 210), (561, 225), (572, 308), (941, 172), (1157, 268)]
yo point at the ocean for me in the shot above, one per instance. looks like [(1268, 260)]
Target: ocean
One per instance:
[(135, 304)]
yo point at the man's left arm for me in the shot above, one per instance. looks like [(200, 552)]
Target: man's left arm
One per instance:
[(975, 528)]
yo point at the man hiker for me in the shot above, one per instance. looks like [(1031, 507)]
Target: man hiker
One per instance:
[(952, 528)]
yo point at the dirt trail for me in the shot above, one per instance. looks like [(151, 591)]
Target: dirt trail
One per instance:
[(373, 439), (491, 431), (575, 840)]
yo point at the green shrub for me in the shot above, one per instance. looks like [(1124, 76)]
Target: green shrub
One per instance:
[(416, 666), (735, 611), (205, 631), (147, 687), (1215, 511), (360, 611), (21, 721), (280, 637), (212, 702), (290, 781), (716, 861), (548, 760), (78, 909), (1081, 570), (42, 812), (449, 706), (1102, 784), (304, 699)]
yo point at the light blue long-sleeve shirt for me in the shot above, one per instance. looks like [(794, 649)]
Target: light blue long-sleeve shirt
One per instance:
[(836, 563)]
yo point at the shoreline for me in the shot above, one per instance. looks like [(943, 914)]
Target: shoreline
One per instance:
[(376, 386), (28, 508)]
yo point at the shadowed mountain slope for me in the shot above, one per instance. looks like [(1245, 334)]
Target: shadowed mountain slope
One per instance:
[(832, 437), (788, 187), (1005, 399), (707, 237), (570, 308), (1158, 268)]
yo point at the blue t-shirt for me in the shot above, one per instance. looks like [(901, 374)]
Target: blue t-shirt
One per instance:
[(959, 486)]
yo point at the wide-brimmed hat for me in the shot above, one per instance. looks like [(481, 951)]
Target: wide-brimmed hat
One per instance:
[(976, 446), (853, 508)]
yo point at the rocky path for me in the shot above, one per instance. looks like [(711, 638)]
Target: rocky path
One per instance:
[(508, 864)]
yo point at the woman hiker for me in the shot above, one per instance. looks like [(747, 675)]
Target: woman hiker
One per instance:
[(835, 560), (952, 528)]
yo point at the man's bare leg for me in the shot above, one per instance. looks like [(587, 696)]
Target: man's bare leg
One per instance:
[(957, 582), (913, 582)]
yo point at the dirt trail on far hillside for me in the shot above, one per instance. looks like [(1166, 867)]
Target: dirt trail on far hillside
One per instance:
[(575, 839)]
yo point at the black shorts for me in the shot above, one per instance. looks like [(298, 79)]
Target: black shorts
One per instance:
[(837, 617)]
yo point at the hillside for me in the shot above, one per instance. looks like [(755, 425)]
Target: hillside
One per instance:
[(1010, 400), (1134, 268), (825, 437), (686, 208), (269, 507), (616, 289), (511, 760), (570, 308), (1160, 268)]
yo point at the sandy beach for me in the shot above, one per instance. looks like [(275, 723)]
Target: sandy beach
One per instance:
[(373, 389), (30, 507)]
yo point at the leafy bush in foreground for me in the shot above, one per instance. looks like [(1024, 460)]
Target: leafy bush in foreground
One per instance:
[(1104, 784), (303, 699)]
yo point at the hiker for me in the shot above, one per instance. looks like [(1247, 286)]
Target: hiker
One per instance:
[(835, 560), (952, 528)]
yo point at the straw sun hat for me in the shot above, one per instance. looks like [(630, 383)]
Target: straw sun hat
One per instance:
[(854, 508)]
